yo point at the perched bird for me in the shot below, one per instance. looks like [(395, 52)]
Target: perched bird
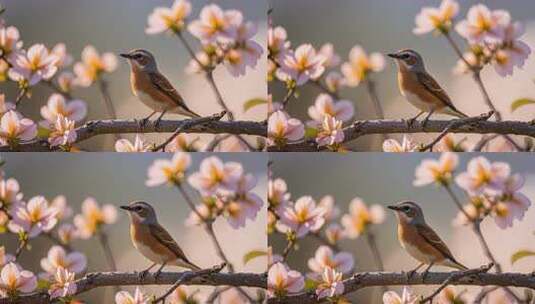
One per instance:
[(419, 240), (152, 240), (152, 88), (419, 88)]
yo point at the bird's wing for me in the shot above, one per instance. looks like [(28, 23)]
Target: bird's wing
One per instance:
[(167, 240), (167, 88), (434, 88), (434, 240)]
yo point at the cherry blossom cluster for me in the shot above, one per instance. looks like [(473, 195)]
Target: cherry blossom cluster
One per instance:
[(323, 68), (224, 35), (224, 189), (304, 218), (50, 67), (491, 188), (34, 217), (493, 37)]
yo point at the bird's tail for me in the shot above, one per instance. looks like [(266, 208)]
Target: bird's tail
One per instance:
[(183, 110), (454, 264), (454, 112), (187, 264)]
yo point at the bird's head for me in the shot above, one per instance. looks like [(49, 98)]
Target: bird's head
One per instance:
[(408, 212), (409, 59), (140, 212), (141, 59)]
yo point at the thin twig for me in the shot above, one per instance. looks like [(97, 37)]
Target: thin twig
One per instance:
[(187, 276), (108, 103), (187, 125), (456, 276)]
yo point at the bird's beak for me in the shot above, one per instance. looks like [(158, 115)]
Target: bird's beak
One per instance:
[(127, 208), (124, 55), (393, 207), (393, 55)]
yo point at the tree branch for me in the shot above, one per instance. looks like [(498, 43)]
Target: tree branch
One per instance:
[(477, 125), (101, 127), (369, 279), (102, 279)]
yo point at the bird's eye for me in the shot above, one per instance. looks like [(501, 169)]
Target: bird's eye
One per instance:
[(406, 209), (405, 56), (138, 208)]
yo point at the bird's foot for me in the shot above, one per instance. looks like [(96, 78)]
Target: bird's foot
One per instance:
[(142, 122), (409, 122), (411, 273), (157, 273)]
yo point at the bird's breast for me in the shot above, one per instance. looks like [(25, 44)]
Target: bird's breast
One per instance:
[(149, 246), (416, 246)]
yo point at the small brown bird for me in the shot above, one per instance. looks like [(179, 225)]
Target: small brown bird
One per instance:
[(152, 88), (419, 240), (420, 88), (152, 240)]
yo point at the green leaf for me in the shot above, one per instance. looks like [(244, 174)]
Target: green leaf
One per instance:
[(43, 132), (251, 103), (311, 132), (520, 103), (310, 284), (521, 254), (252, 255)]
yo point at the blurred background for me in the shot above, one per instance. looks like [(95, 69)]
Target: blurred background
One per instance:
[(384, 26), (118, 179), (119, 26), (385, 179)]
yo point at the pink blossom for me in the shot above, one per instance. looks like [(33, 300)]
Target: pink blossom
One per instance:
[(172, 171), (331, 284), (57, 258), (302, 65), (66, 233), (360, 65), (282, 128), (246, 205), (330, 133), (63, 284), (282, 280), (331, 210), (185, 295), (436, 171), (430, 18), (406, 145), (5, 257), (514, 53), (231, 144), (93, 65), (391, 297), (34, 65), (278, 45), (334, 81), (66, 81), (183, 142), (331, 58), (93, 217), (75, 110), (139, 145), (216, 25), (4, 105), (172, 19), (34, 217), (483, 25), (303, 217), (482, 176), (461, 67), (14, 279), (333, 233), (232, 296), (10, 42), (512, 204), (194, 220), (64, 58), (342, 110), (326, 258), (124, 297), (9, 193), (63, 210), (215, 176), (15, 128), (360, 217), (62, 132), (246, 53), (278, 195)]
